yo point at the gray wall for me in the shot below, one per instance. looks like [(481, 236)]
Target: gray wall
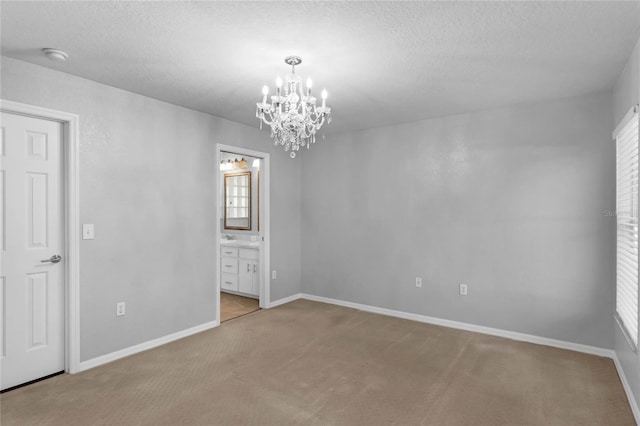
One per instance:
[(626, 93), (510, 201), (148, 178)]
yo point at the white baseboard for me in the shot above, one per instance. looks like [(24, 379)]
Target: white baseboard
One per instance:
[(627, 389), (285, 300), (103, 359), (593, 350)]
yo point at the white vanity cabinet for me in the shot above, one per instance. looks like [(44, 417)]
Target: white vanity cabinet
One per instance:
[(240, 270), (249, 271)]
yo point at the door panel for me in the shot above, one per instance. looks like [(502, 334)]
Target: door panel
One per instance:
[(2, 197), (37, 310), (245, 279), (3, 319), (37, 220), (32, 291)]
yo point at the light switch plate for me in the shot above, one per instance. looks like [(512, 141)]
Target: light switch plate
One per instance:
[(88, 231)]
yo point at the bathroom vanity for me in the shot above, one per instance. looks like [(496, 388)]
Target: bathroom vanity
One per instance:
[(240, 267)]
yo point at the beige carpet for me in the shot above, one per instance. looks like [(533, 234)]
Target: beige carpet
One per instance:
[(232, 306), (310, 363)]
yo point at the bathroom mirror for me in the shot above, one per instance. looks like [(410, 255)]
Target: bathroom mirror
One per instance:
[(237, 199)]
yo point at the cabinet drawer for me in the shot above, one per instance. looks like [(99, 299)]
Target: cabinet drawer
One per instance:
[(229, 264), (229, 282), (249, 254), (229, 252)]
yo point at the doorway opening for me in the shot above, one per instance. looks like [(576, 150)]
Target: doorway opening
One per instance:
[(242, 224), (235, 306)]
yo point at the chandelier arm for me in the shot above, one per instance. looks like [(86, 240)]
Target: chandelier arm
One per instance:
[(266, 121), (313, 123), (319, 118), (303, 133), (268, 118)]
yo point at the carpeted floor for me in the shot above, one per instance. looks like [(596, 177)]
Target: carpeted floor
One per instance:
[(232, 306), (310, 363)]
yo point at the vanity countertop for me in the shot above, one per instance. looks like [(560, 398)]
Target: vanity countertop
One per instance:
[(240, 243)]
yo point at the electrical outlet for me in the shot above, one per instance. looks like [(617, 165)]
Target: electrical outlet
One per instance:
[(419, 282), (463, 289), (274, 274), (120, 309)]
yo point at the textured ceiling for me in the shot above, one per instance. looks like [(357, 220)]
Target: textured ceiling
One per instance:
[(382, 62)]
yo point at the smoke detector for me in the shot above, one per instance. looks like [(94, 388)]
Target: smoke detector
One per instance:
[(55, 55)]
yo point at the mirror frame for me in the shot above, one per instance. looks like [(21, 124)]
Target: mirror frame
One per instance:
[(238, 228)]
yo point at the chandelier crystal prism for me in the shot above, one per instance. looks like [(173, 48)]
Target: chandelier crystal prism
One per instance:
[(293, 115)]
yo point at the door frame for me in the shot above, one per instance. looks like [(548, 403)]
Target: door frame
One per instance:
[(71, 234), (265, 222)]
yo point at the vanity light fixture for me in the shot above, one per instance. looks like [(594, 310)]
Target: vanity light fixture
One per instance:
[(293, 115), (256, 163), (233, 164)]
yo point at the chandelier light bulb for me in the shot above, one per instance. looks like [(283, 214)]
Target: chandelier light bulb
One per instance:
[(324, 94), (309, 85), (278, 82), (265, 92)]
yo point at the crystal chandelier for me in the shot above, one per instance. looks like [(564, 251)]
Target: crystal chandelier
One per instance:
[(293, 115)]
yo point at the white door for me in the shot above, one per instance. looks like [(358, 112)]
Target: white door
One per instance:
[(31, 282)]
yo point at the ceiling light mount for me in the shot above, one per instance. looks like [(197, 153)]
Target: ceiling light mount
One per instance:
[(55, 55), (293, 115), (293, 60)]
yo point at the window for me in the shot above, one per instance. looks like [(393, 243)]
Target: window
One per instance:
[(626, 135)]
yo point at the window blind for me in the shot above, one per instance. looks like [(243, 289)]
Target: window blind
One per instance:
[(627, 225)]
